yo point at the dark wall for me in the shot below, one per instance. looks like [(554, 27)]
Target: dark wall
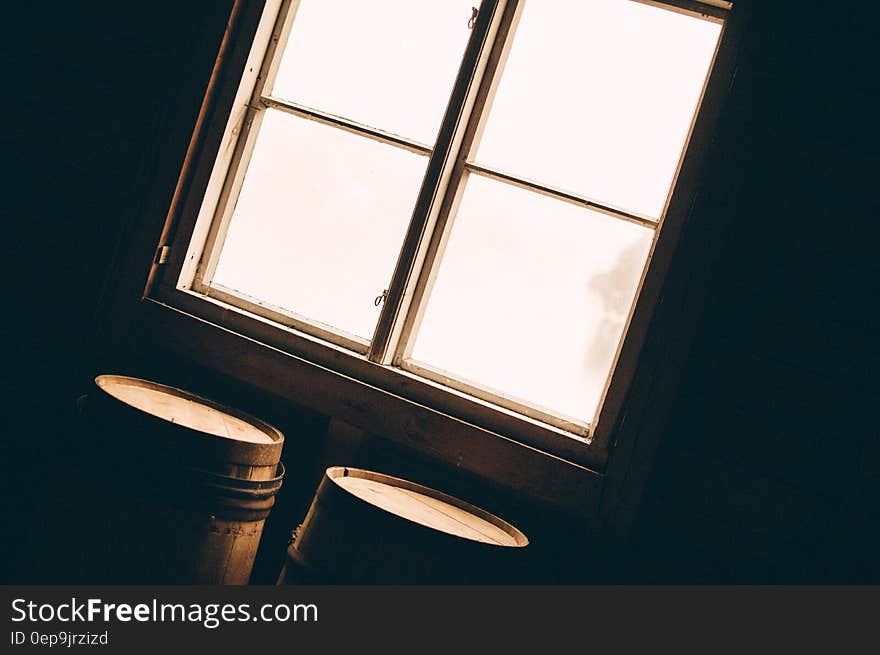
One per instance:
[(767, 471), (768, 468), (96, 94)]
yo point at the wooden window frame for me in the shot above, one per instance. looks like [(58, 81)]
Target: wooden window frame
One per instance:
[(370, 385)]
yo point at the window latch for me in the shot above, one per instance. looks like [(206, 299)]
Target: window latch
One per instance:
[(474, 13), (381, 298)]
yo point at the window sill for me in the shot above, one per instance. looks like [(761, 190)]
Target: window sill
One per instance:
[(190, 328)]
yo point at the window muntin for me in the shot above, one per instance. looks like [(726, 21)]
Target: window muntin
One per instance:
[(263, 102)]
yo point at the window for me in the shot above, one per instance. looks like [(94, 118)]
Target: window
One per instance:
[(459, 205)]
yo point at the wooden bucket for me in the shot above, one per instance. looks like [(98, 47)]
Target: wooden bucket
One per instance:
[(194, 482), (367, 527)]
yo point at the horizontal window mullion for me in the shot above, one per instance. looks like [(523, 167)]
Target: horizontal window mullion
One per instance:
[(286, 317), (576, 429), (344, 124), (715, 10), (559, 194)]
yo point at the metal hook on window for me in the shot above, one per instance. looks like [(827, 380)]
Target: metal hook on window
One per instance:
[(381, 298), (473, 19)]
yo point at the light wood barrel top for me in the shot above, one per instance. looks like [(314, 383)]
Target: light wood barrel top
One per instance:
[(436, 511), (176, 407)]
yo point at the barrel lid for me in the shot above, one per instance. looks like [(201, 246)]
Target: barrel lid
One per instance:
[(427, 507), (187, 410)]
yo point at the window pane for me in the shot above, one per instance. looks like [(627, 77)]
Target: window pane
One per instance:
[(319, 221), (531, 297), (597, 98), (389, 64)]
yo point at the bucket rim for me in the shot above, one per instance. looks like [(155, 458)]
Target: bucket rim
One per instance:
[(273, 433), (519, 537)]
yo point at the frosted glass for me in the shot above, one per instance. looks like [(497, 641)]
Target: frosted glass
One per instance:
[(390, 64), (597, 98), (531, 297), (319, 222)]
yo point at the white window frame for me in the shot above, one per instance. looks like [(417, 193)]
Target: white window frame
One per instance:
[(466, 415)]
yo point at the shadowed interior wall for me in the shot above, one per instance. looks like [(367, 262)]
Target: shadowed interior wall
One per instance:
[(768, 468)]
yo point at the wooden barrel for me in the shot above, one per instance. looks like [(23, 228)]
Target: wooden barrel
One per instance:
[(367, 527), (193, 481)]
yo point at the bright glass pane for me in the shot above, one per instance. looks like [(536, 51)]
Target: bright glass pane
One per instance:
[(390, 64), (531, 297), (319, 222), (597, 98)]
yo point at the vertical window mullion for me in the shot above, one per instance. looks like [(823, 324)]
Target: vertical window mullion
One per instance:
[(249, 128), (436, 185), (498, 45)]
